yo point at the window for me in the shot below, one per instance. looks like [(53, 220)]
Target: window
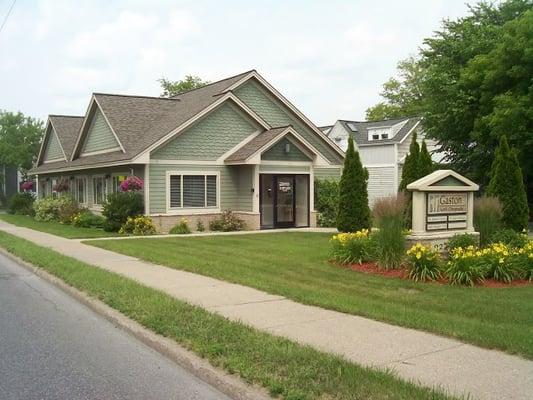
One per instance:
[(375, 137), (79, 190), (53, 185), (117, 180), (99, 190), (385, 136), (193, 191)]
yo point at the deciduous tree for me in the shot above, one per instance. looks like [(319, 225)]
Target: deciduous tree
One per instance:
[(172, 88)]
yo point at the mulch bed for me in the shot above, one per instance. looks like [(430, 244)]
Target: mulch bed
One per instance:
[(373, 269)]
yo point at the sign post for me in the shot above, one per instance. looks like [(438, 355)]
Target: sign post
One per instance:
[(443, 206)]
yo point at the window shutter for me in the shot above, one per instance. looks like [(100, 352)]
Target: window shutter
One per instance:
[(211, 188), (193, 191), (175, 191)]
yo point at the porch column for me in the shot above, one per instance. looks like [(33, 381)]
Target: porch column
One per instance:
[(255, 202)]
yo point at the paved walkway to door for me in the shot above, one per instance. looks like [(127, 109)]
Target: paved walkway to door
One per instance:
[(425, 358)]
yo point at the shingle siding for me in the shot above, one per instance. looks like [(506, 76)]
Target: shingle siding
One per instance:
[(211, 137), (53, 148), (327, 173), (276, 114), (235, 185), (277, 152), (99, 137)]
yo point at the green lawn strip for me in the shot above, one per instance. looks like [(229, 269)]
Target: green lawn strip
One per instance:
[(295, 265), (285, 368), (55, 228)]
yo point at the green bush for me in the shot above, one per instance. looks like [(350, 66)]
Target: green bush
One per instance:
[(389, 239), (55, 208), (326, 201), (487, 217), (227, 222), (181, 228), (353, 211), (348, 248), (21, 203), (86, 219), (461, 240), (510, 238), (522, 261), (138, 226), (507, 184), (119, 206), (200, 227), (423, 263)]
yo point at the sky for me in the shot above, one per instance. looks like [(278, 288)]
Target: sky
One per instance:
[(329, 58)]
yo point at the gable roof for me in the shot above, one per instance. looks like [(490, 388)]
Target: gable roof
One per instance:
[(431, 182), (66, 128), (359, 129), (142, 123)]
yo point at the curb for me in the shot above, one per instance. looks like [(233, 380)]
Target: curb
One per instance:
[(230, 385)]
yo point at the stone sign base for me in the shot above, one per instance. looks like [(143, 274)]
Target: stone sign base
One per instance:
[(438, 240)]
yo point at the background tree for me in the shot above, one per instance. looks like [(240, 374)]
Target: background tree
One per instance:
[(425, 163), (410, 170), (402, 96), (172, 88), (354, 213), (507, 184), (20, 138)]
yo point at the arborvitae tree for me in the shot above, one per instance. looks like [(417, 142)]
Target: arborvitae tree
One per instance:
[(410, 165), (425, 163), (354, 213), (507, 184)]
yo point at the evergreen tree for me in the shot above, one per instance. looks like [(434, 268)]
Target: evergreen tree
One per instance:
[(425, 163), (354, 213), (410, 166), (507, 184)]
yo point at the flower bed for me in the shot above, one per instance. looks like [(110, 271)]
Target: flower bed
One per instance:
[(497, 265)]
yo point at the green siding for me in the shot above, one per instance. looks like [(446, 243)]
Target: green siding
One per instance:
[(277, 152), (99, 137), (235, 185), (211, 137), (53, 148), (289, 169), (277, 114), (327, 173), (449, 181)]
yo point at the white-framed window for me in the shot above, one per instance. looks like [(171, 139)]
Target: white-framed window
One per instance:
[(192, 190), (385, 136), (99, 190), (116, 181), (80, 190), (53, 183)]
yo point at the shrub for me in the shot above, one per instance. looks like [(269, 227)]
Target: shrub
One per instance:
[(326, 201), (425, 163), (351, 247), (131, 184), (495, 261), (61, 186), (138, 226), (353, 211), (21, 203), (389, 240), (487, 217), (86, 219), (411, 170), (181, 228), (510, 238), (227, 222), (119, 206), (522, 261), (200, 227), (464, 267), (507, 184), (461, 240), (423, 263), (55, 208)]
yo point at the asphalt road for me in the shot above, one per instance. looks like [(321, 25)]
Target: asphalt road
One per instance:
[(52, 347)]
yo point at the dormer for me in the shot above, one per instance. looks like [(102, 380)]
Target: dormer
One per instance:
[(379, 133)]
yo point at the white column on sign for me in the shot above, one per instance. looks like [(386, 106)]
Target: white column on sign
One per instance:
[(470, 212), (419, 212)]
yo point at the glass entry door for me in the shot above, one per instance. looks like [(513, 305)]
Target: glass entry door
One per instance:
[(284, 206)]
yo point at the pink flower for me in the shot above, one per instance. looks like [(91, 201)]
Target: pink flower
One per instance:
[(131, 184), (27, 185)]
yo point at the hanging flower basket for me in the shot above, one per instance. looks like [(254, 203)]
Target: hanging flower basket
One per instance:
[(27, 186), (132, 184)]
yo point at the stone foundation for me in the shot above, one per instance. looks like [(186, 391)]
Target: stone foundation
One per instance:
[(312, 219), (164, 223), (438, 240)]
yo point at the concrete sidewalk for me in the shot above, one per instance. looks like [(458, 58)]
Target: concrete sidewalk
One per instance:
[(425, 358)]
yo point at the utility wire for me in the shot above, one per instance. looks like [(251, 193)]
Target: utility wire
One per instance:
[(7, 15)]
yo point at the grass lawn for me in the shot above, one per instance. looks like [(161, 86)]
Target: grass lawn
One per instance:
[(294, 265), (283, 367), (55, 228)]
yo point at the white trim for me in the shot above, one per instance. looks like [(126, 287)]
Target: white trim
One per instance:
[(250, 112), (288, 163), (189, 210), (378, 165), (238, 146), (37, 186), (109, 124), (80, 133), (396, 168), (92, 153), (52, 161), (255, 74), (257, 189), (196, 117), (147, 189), (105, 192), (92, 166), (311, 193), (409, 133), (186, 162), (286, 172)]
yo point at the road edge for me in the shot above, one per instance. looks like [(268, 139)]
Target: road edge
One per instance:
[(228, 384)]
